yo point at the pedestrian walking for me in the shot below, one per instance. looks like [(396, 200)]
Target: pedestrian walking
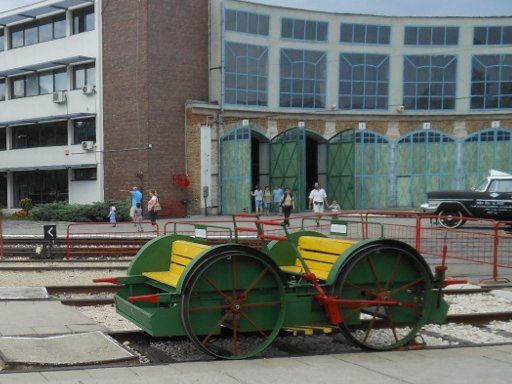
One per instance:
[(258, 199), (317, 201), (112, 216), (138, 217), (277, 192), (136, 198), (287, 204), (267, 199), (153, 206)]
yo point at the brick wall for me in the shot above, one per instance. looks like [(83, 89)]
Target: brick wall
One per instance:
[(162, 47)]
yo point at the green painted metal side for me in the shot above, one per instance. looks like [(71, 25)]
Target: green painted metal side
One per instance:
[(155, 255), (341, 169), (283, 253), (236, 173), (288, 163)]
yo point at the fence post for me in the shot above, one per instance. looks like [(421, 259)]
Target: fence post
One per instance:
[(68, 243), (495, 251), (1, 239), (418, 233)]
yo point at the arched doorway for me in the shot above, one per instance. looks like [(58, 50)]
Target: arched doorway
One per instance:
[(425, 161), (485, 150), (358, 169), (241, 167), (297, 160)]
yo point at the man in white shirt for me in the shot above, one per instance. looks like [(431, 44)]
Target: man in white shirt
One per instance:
[(317, 199)]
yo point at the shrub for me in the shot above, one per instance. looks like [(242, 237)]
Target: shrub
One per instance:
[(26, 204), (81, 212)]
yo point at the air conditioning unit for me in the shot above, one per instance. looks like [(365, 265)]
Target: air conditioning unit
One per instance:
[(59, 97), (88, 145), (88, 89)]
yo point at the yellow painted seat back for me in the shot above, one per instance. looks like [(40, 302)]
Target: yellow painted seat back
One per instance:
[(182, 253), (319, 253)]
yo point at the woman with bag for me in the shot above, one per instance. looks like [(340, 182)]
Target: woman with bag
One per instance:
[(287, 203), (153, 206)]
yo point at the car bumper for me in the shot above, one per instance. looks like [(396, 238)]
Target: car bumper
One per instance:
[(429, 208)]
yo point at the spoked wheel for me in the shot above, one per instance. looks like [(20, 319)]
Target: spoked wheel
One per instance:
[(452, 219), (386, 293), (233, 305)]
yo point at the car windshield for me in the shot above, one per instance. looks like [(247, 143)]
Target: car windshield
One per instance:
[(480, 187)]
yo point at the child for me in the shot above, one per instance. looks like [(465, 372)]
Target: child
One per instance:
[(112, 216), (138, 217), (267, 199), (335, 207)]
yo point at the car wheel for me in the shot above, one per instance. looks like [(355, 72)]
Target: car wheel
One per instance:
[(451, 218)]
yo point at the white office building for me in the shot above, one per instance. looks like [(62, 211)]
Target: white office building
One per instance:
[(50, 103)]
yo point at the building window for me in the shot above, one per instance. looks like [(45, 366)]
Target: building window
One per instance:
[(83, 20), (39, 83), (491, 82), (84, 130), (83, 174), (299, 29), (2, 39), (3, 189), (40, 135), (246, 22), (3, 139), (41, 186), (364, 34), (302, 79), (84, 74), (431, 36), (47, 29), (3, 90), (364, 81), (245, 79), (429, 82), (492, 35)]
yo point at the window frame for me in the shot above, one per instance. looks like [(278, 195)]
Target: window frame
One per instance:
[(36, 24), (484, 100), (380, 30), (85, 67), (262, 22), (88, 128), (81, 14), (3, 84), (431, 30), (39, 128), (305, 23), (89, 174), (24, 77)]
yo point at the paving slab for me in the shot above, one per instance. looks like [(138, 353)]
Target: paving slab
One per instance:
[(63, 350), (23, 293), (28, 318)]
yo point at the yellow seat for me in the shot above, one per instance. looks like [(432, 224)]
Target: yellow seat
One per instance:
[(182, 253), (319, 253)]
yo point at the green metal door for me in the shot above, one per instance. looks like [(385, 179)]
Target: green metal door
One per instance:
[(426, 161), (235, 150), (340, 168), (288, 164), (485, 150)]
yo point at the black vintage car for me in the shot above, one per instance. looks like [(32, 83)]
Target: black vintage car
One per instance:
[(491, 199)]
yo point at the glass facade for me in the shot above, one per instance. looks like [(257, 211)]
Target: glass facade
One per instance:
[(47, 29), (246, 22), (83, 20), (429, 82), (41, 186), (491, 82), (3, 90), (84, 130), (364, 33), (299, 29), (492, 35), (39, 83), (364, 81), (40, 135), (84, 74), (302, 78), (245, 76), (2, 39), (431, 36), (3, 139)]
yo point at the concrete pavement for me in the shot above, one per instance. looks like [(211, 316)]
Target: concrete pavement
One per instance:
[(489, 365)]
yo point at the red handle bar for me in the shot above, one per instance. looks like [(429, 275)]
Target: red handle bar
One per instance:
[(273, 237), (269, 222)]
